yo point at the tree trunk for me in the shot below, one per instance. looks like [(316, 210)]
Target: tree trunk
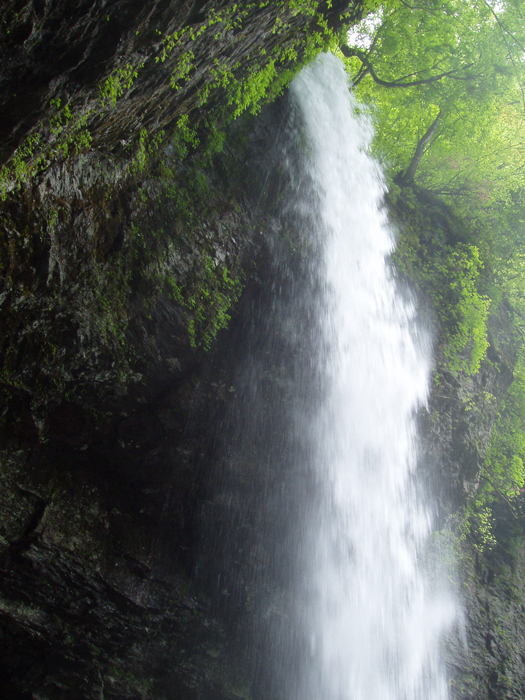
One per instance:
[(408, 176)]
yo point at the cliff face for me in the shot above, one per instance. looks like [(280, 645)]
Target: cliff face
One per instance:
[(457, 427), (483, 552), (122, 257), (485, 656), (102, 214)]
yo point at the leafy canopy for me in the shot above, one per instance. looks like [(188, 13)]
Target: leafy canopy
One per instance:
[(462, 60)]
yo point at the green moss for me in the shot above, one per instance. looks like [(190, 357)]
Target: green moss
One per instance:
[(168, 170), (118, 83), (209, 303), (60, 136), (246, 88)]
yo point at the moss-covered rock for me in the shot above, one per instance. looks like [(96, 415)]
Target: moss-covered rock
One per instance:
[(126, 240)]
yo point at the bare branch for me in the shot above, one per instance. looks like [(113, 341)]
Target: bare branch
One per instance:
[(503, 27), (506, 31), (400, 83)]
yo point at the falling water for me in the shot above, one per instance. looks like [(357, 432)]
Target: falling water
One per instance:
[(314, 527), (373, 621)]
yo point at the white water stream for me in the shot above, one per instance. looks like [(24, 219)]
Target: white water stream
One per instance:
[(373, 621)]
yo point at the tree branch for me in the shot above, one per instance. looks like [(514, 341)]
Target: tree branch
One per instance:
[(357, 53), (503, 497), (506, 31), (503, 27), (408, 176), (418, 7)]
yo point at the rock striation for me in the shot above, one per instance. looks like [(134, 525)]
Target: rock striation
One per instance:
[(122, 258)]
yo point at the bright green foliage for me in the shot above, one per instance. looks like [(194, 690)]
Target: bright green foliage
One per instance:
[(69, 135), (459, 66), (467, 62), (210, 302), (509, 263), (247, 96), (244, 90), (478, 526), (451, 281), (264, 82), (119, 82), (504, 471), (448, 273), (22, 164), (146, 148), (182, 70), (306, 6), (183, 139), (466, 335)]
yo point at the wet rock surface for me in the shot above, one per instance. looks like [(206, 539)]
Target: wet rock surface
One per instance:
[(111, 399), (484, 655), (457, 426)]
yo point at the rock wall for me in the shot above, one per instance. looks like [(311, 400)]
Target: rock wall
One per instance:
[(483, 560), (99, 487), (485, 654), (122, 259)]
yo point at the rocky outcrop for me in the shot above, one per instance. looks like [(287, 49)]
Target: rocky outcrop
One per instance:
[(97, 541), (480, 539), (457, 426), (484, 656), (102, 214), (486, 660), (158, 55), (122, 261)]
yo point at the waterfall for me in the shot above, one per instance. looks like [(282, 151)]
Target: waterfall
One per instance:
[(374, 622), (314, 524)]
